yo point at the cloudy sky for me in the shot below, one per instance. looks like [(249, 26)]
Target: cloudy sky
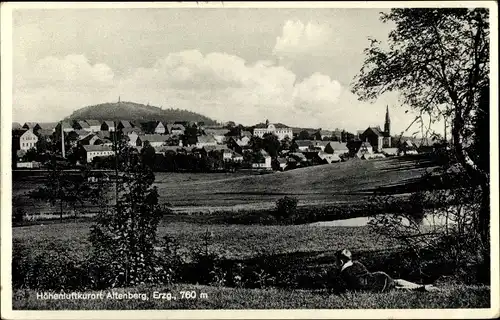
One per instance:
[(287, 65)]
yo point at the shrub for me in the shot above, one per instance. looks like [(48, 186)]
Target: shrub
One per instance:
[(18, 215), (54, 266), (286, 208)]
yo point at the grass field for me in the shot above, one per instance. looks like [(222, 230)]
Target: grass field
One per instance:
[(305, 247), (313, 186), (234, 298), (231, 241)]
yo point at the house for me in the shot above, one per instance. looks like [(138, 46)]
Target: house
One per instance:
[(81, 125), (155, 140), (27, 140), (16, 125), (95, 125), (232, 143), (319, 144), (103, 134), (223, 152), (374, 136), (298, 157), (160, 128), (107, 142), (28, 165), (134, 139), (408, 147), (97, 151), (390, 151), (66, 125), (282, 163), (31, 125), (262, 161), (122, 124), (365, 150), (49, 126), (237, 157), (303, 145), (108, 126), (329, 157), (91, 140), (147, 126), (46, 134), (335, 147), (176, 129), (81, 133), (218, 134), (206, 140), (280, 130), (128, 130)]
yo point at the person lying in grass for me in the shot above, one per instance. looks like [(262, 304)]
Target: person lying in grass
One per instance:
[(356, 277)]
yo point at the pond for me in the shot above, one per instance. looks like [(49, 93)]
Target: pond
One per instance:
[(429, 220)]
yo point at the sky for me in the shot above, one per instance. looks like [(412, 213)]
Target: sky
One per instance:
[(293, 66)]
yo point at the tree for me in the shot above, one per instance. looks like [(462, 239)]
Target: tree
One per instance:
[(31, 155), (148, 154), (256, 143), (190, 136), (42, 145), (286, 144), (172, 141), (438, 62), (304, 135), (62, 188), (271, 144), (124, 235)]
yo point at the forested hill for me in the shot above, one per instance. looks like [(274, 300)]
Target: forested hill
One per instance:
[(135, 111)]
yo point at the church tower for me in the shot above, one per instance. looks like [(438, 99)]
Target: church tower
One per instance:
[(387, 124)]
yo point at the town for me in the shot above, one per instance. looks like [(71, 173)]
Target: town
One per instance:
[(194, 146)]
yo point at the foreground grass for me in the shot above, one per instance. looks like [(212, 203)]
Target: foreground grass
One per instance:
[(232, 298), (230, 241)]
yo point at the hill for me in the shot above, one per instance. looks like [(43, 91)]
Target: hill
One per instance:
[(135, 111)]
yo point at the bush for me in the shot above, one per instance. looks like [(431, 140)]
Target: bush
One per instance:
[(286, 208), (55, 266), (18, 215)]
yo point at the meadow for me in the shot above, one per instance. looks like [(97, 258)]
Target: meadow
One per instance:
[(298, 258), (318, 186)]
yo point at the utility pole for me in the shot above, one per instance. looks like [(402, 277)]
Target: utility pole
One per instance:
[(62, 141)]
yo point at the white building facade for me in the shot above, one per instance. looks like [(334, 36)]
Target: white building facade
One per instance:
[(98, 151), (281, 132), (28, 140)]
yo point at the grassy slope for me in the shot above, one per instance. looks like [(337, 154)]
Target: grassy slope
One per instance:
[(346, 181), (317, 185), (231, 298)]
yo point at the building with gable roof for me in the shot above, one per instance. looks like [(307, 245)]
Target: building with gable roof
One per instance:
[(280, 130), (377, 137)]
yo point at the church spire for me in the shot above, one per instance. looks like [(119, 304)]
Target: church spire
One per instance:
[(387, 124)]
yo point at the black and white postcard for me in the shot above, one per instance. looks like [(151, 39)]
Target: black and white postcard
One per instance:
[(249, 160)]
